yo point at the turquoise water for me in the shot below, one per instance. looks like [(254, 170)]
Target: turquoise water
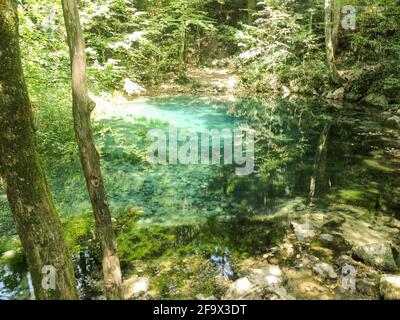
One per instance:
[(210, 208), (168, 194)]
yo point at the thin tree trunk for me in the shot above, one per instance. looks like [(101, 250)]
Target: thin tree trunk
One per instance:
[(329, 43), (319, 175), (335, 23), (251, 9), (82, 108), (38, 225)]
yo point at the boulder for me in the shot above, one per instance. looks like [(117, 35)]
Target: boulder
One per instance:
[(304, 232), (389, 287), (240, 288), (378, 255), (351, 96), (135, 287), (393, 122), (270, 276), (378, 100), (325, 270), (337, 94)]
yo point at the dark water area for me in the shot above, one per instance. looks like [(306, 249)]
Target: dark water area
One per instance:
[(306, 153)]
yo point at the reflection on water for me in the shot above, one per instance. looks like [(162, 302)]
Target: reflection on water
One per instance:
[(15, 284), (306, 153)]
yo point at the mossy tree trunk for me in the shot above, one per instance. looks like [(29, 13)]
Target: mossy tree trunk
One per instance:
[(330, 6), (251, 9), (82, 108), (38, 225), (319, 182), (336, 7)]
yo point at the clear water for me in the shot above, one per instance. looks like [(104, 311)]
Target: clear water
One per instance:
[(211, 207)]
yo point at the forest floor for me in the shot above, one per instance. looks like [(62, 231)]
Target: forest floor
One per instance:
[(201, 80)]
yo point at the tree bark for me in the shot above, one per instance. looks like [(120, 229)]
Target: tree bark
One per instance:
[(38, 225), (318, 179), (335, 23), (329, 42), (90, 160), (251, 9)]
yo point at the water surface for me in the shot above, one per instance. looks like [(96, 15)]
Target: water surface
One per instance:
[(306, 153)]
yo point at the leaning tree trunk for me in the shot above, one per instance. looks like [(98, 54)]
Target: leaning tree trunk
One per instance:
[(82, 108), (38, 225), (329, 40)]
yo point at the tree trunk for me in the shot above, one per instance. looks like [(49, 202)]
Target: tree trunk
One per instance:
[(82, 108), (251, 9), (318, 179), (329, 42), (38, 225), (335, 23)]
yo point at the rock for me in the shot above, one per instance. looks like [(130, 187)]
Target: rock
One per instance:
[(240, 287), (377, 100), (337, 94), (393, 122), (325, 270), (280, 293), (344, 260), (334, 222), (378, 255), (202, 297), (307, 261), (303, 285), (351, 96), (8, 255), (304, 232), (389, 287), (135, 287), (270, 276), (366, 287), (327, 237)]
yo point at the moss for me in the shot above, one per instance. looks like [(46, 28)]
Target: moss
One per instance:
[(184, 278), (349, 194), (79, 231), (375, 165)]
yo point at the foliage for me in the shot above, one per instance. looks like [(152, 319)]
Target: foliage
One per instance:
[(144, 46)]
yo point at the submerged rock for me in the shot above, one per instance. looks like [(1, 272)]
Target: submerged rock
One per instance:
[(325, 270), (367, 287), (269, 276), (378, 255), (304, 232), (280, 293), (389, 287)]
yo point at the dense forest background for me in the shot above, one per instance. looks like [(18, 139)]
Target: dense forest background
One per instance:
[(273, 45)]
